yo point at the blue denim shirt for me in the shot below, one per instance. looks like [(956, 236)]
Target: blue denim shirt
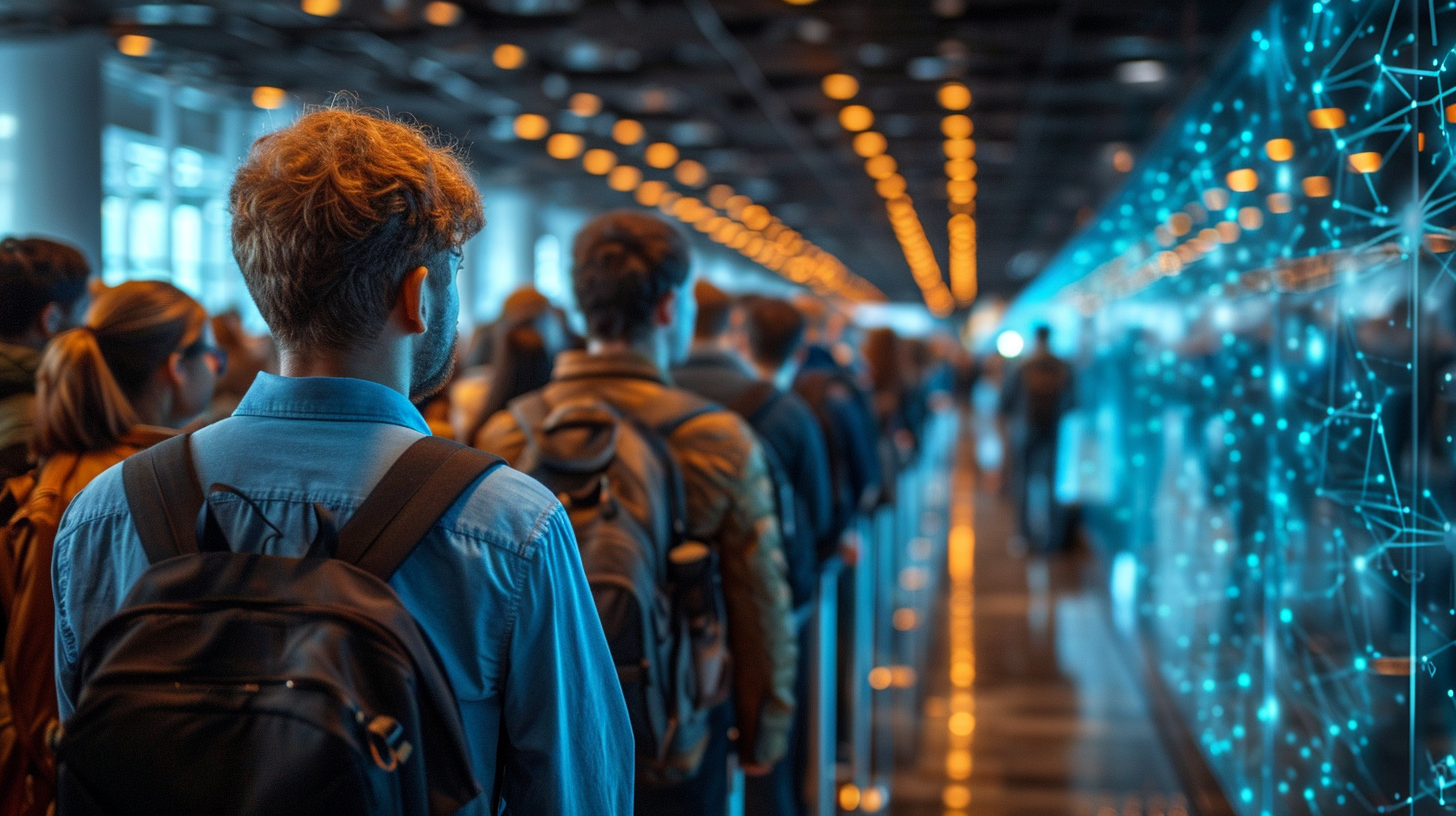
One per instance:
[(497, 586)]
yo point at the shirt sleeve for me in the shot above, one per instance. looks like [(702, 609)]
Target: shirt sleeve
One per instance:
[(568, 740)]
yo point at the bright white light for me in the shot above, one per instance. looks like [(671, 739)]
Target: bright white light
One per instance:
[(8, 125), (1010, 344), (1141, 72)]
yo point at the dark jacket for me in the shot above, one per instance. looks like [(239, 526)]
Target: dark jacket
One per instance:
[(786, 425), (729, 505), (18, 365), (851, 433), (32, 506)]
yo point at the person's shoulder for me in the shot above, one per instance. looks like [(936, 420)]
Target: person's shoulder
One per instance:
[(506, 509), (103, 498)]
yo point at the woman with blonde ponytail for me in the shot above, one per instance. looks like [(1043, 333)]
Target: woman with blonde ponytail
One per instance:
[(141, 367)]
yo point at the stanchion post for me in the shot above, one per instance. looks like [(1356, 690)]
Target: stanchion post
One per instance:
[(822, 694)]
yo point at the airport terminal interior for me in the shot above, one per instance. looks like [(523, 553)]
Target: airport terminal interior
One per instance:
[(1149, 305)]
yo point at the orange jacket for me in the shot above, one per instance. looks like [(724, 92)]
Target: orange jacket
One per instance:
[(34, 504)]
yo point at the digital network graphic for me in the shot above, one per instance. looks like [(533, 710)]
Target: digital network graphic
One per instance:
[(1265, 321)]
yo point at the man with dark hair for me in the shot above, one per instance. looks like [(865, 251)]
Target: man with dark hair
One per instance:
[(42, 293), (752, 379), (843, 411), (348, 230), (631, 276)]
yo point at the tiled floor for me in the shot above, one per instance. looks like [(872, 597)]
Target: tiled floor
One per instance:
[(1057, 721)]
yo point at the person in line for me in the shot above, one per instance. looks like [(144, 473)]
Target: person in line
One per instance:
[(844, 414), (529, 335), (141, 366), (632, 277), (348, 228), (43, 292), (1033, 399)]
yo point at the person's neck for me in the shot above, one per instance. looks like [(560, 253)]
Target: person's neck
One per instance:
[(711, 345), (385, 364), (650, 347)]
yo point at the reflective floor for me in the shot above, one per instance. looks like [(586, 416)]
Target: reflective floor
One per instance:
[(1032, 707)]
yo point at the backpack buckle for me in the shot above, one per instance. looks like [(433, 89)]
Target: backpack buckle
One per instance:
[(387, 744)]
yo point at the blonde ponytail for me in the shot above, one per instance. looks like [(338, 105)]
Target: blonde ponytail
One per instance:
[(89, 376)]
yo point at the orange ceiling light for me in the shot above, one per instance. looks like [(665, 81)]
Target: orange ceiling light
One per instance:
[(584, 104), (565, 146), (268, 97), (628, 132), (954, 96), (1216, 198), (690, 173), (508, 56), (756, 217), (855, 118), (649, 193), (1122, 161), (1364, 163), (1327, 118), (1251, 218), (960, 149), (661, 155), (957, 126), (891, 186), (960, 169), (135, 45), (531, 126), (1316, 186), (1279, 150), (321, 8), (443, 14), (870, 144), (1179, 224), (599, 162), (624, 178), (881, 166), (1243, 180), (1280, 203), (839, 86)]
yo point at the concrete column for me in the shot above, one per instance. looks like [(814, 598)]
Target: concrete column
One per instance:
[(50, 139)]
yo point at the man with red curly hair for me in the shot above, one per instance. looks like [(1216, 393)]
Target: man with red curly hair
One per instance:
[(348, 230)]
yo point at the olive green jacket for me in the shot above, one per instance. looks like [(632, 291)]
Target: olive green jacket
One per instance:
[(730, 505)]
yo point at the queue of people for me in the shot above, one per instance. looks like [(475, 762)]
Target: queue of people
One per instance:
[(607, 625)]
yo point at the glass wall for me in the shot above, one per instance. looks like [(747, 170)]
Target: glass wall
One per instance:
[(1264, 326)]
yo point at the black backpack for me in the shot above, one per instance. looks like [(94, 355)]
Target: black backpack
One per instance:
[(803, 561), (242, 683), (657, 594)]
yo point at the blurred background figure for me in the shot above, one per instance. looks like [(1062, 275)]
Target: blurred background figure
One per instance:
[(247, 356), (1034, 397), (142, 366), (43, 292), (522, 349)]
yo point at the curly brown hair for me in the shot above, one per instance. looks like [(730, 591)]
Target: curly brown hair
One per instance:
[(330, 213)]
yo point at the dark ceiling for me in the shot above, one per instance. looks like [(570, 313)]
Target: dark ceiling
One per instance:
[(736, 85)]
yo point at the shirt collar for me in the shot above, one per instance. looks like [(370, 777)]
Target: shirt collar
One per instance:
[(330, 399)]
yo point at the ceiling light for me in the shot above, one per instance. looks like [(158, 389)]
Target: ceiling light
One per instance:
[(960, 169), (881, 166), (1365, 162), (1142, 72), (869, 144), (690, 173), (856, 118), (954, 96), (509, 57), (624, 178), (719, 194), (891, 186), (269, 98), (1122, 161), (1279, 150), (661, 155), (599, 162), (957, 126), (649, 193), (531, 126), (564, 145), (960, 149), (628, 132), (584, 104), (1242, 181), (840, 86), (321, 8), (135, 45), (440, 13), (1280, 203), (1327, 118)]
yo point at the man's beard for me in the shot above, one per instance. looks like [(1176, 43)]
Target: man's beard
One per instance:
[(434, 359)]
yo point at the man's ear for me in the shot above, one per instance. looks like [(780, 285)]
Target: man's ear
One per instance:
[(52, 318), (666, 311), (411, 301)]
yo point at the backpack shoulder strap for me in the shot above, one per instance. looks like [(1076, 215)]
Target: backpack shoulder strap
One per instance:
[(164, 496), (417, 490), (755, 398)]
